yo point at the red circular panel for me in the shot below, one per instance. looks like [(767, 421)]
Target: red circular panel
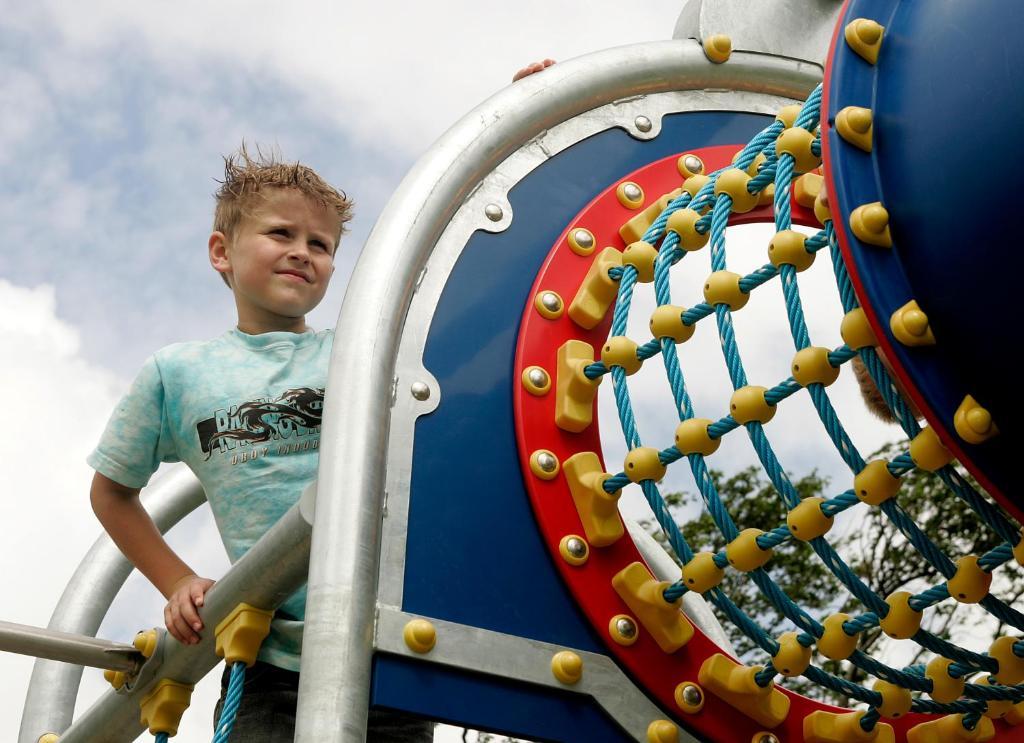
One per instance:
[(656, 672)]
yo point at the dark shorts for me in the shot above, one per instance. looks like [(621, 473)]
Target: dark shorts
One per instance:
[(267, 711)]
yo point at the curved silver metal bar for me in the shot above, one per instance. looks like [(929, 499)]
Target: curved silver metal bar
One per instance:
[(334, 684), (272, 570), (53, 688)]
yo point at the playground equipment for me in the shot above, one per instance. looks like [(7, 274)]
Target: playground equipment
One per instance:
[(467, 561)]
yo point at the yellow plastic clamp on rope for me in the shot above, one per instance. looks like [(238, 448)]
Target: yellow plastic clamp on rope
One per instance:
[(856, 331), (903, 621), (597, 290), (723, 287), (735, 685), (621, 351), (1011, 665), (875, 484), (928, 452), (994, 708), (683, 222), (811, 366), (636, 226), (240, 634), (748, 404), (788, 248), (642, 463), (701, 574), (797, 141), (692, 437), (946, 689), (950, 729), (807, 521), (597, 509), (161, 709), (839, 727), (792, 658), (644, 595), (834, 642), (896, 700), (667, 322), (641, 256), (734, 183), (743, 552), (574, 391), (970, 583)]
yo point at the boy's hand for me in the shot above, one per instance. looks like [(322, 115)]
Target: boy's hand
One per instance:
[(181, 615), (532, 68)]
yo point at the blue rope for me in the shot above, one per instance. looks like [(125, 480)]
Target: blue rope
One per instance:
[(233, 698)]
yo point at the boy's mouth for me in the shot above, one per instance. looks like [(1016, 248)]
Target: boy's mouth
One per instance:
[(296, 275)]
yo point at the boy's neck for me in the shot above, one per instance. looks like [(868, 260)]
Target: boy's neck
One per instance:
[(258, 326)]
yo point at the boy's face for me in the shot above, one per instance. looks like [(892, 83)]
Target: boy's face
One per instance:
[(279, 261)]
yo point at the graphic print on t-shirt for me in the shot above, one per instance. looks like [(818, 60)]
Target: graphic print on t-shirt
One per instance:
[(285, 420)]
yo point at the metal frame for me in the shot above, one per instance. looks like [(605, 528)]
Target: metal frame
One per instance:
[(453, 191)]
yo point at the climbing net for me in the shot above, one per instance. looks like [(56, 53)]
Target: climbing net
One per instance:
[(698, 216)]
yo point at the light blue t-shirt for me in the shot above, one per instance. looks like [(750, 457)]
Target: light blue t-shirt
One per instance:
[(243, 412)]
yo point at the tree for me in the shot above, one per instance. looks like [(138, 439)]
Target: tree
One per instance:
[(876, 551)]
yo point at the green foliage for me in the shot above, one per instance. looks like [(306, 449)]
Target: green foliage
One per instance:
[(873, 548)]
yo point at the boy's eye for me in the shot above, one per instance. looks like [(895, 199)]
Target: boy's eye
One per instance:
[(319, 245), (279, 231)]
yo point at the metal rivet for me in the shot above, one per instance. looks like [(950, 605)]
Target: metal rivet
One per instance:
[(632, 192), (538, 377), (419, 390), (767, 738), (576, 547), (546, 462), (551, 301), (692, 695), (626, 627), (643, 123), (694, 164), (583, 238), (494, 212)]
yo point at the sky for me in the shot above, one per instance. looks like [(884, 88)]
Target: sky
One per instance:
[(116, 116)]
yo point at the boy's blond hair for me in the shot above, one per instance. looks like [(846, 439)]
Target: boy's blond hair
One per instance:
[(247, 177)]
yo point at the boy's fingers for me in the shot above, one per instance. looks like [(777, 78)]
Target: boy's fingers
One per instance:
[(190, 616)]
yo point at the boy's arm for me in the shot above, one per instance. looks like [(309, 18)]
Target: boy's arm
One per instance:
[(120, 511)]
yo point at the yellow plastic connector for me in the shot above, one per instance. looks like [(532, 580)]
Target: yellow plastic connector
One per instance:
[(822, 210), (896, 700), (787, 114), (928, 452), (667, 322), (796, 141), (910, 326), (787, 248), (743, 552), (1011, 666), (875, 484), (723, 287), (641, 256), (1018, 549), (48, 738), (946, 689), (145, 642), (643, 594), (903, 621), (792, 658), (419, 635), (856, 330), (642, 463), (854, 124), (834, 643), (806, 521), (241, 632), (692, 437), (870, 224), (864, 36), (994, 708), (810, 366), (630, 195), (748, 404), (974, 423), (161, 709), (567, 667), (662, 731), (115, 678), (621, 351), (1016, 714), (683, 222), (806, 189), (844, 727), (735, 685), (717, 48), (695, 183), (734, 183), (598, 510), (767, 195), (970, 583), (950, 729), (701, 574), (755, 165), (574, 392), (597, 291), (637, 225)]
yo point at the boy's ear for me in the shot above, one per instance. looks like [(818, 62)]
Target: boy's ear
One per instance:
[(218, 248)]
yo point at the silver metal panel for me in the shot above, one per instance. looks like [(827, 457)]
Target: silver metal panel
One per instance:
[(53, 688), (800, 29), (521, 659), (361, 465), (272, 570)]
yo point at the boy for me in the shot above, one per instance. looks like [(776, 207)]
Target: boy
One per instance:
[(243, 411)]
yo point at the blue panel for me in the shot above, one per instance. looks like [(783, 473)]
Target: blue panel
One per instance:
[(474, 554), (476, 701), (946, 100)]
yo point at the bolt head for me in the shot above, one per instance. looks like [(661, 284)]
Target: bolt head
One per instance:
[(767, 738), (494, 212), (694, 164), (643, 123), (625, 627), (538, 377), (420, 390), (583, 238), (692, 696), (576, 547), (632, 192), (546, 462), (551, 301)]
